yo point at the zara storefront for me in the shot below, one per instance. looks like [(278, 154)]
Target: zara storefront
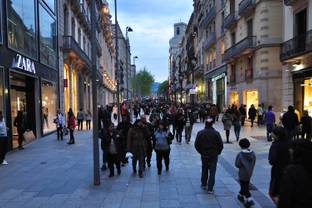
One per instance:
[(28, 64)]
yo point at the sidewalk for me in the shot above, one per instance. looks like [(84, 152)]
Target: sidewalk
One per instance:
[(49, 173)]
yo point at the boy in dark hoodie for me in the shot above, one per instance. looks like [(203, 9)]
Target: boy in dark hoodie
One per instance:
[(245, 162)]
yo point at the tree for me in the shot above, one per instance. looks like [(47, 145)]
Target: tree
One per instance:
[(142, 82), (163, 89)]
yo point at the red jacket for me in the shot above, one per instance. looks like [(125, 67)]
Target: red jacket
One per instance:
[(72, 122)]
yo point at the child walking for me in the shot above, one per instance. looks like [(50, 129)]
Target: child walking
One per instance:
[(245, 162)]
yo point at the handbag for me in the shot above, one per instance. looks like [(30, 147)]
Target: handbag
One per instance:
[(29, 136)]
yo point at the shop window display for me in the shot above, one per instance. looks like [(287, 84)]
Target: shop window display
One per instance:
[(234, 98), (49, 106), (308, 96), (2, 91), (252, 98)]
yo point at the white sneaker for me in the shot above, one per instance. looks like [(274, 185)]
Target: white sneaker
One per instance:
[(210, 192), (5, 162)]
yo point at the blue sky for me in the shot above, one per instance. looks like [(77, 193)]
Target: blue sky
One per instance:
[(152, 22)]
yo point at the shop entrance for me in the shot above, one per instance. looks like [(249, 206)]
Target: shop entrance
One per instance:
[(22, 94), (252, 98)]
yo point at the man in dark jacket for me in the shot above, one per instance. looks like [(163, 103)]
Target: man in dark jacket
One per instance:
[(189, 121), (296, 184), (290, 121), (123, 128), (209, 145), (149, 131)]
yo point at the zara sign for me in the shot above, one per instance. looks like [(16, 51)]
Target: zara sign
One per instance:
[(23, 63)]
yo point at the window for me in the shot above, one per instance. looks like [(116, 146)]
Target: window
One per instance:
[(178, 31), (2, 91), (48, 38), (49, 105), (84, 43), (79, 37), (249, 28), (51, 4), (66, 21), (22, 29), (233, 38), (73, 28)]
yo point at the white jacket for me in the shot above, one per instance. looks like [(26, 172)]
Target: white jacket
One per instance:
[(3, 129)]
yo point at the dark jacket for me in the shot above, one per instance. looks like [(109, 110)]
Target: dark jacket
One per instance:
[(290, 120), (279, 158), (123, 128), (20, 124), (306, 122), (190, 116), (136, 141), (208, 142), (242, 111), (115, 136), (245, 161), (180, 121), (252, 113)]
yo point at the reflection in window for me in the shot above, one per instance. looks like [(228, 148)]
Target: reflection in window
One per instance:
[(2, 91), (22, 27), (51, 4), (1, 29), (47, 38), (49, 103)]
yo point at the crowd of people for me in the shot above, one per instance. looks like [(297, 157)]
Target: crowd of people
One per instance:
[(147, 127)]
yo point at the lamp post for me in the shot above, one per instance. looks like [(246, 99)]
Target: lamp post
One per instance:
[(135, 87), (117, 61), (96, 159), (128, 29)]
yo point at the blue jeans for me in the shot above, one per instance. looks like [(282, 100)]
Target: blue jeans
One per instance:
[(209, 164), (237, 128), (269, 131)]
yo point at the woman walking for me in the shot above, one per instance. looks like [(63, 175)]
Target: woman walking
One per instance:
[(3, 140), (227, 120), (237, 119), (306, 122), (60, 123), (71, 125), (20, 124), (252, 113), (88, 120), (161, 142)]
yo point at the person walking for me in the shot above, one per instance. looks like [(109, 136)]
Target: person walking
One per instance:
[(136, 146), (242, 110), (3, 140), (269, 122), (227, 120), (209, 145), (306, 122), (20, 124), (123, 128), (237, 117), (88, 120), (252, 113), (279, 159), (148, 134), (290, 121), (161, 142), (260, 112), (179, 125), (189, 122), (112, 147), (71, 121), (245, 162), (214, 112), (295, 190), (80, 119), (60, 124)]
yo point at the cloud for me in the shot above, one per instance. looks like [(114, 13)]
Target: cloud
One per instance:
[(152, 22)]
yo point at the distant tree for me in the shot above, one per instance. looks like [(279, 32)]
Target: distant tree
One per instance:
[(163, 89), (142, 82)]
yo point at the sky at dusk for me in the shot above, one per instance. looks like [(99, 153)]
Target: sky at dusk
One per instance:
[(152, 22)]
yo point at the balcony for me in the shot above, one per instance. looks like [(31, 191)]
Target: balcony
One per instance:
[(84, 19), (210, 40), (98, 48), (290, 2), (70, 45), (245, 46), (297, 46), (230, 20), (246, 7), (208, 18)]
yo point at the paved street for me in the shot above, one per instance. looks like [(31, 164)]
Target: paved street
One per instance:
[(49, 173)]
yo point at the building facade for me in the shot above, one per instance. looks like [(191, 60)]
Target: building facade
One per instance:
[(253, 34), (29, 64), (175, 59), (296, 54)]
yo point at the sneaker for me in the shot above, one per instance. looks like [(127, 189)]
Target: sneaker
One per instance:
[(241, 198), (211, 192), (249, 203), (5, 162)]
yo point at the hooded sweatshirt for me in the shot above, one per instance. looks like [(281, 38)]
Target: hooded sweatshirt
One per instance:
[(245, 162)]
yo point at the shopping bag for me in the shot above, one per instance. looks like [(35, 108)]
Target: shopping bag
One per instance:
[(29, 136)]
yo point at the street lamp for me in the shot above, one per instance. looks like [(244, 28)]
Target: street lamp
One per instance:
[(117, 61), (128, 29), (135, 84)]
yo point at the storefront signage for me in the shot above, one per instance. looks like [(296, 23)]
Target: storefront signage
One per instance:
[(23, 63)]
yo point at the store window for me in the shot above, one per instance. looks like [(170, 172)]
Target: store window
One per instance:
[(48, 39), (252, 98), (234, 98), (49, 105), (66, 88), (21, 25), (307, 105), (1, 29)]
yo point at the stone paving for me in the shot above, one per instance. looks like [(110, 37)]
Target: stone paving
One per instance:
[(49, 173)]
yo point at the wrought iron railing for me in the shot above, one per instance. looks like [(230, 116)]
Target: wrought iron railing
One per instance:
[(247, 43), (70, 44), (230, 20), (209, 17), (210, 40)]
